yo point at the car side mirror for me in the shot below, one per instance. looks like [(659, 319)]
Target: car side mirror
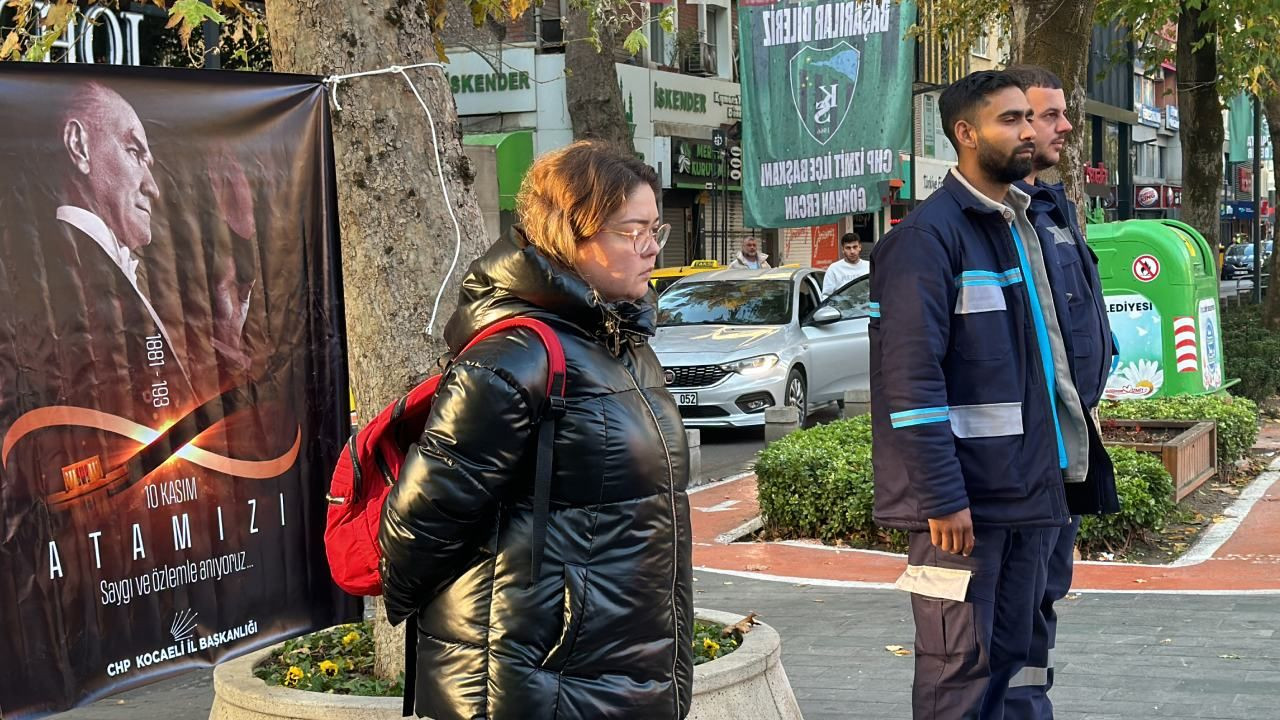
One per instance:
[(825, 316)]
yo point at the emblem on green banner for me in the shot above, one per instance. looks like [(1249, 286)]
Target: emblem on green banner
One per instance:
[(822, 86)]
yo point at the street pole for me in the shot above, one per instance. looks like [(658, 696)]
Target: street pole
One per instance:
[(724, 180), (1257, 201), (713, 211), (911, 168)]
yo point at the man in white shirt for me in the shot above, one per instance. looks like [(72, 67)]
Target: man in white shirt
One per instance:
[(848, 268)]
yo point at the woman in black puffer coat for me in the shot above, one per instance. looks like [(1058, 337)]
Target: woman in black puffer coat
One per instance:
[(604, 630)]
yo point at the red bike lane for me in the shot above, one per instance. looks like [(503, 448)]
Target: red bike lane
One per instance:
[(1242, 556)]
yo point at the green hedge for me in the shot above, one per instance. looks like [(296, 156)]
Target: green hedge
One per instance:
[(1237, 418), (1146, 502), (816, 483), (1251, 353)]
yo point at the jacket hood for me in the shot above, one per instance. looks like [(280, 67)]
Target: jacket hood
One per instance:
[(514, 278)]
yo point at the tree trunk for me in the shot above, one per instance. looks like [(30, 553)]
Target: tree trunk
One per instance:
[(1057, 35), (1271, 303), (1201, 131), (397, 238), (591, 83)]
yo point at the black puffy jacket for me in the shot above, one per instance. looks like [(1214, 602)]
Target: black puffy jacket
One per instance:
[(605, 630)]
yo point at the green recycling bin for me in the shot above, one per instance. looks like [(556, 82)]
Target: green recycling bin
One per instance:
[(1160, 283)]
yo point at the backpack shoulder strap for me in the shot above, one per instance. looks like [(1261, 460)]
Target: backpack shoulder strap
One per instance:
[(555, 351), (553, 410)]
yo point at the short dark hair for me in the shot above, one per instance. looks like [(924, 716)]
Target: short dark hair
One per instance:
[(967, 94), (850, 238), (1034, 76)]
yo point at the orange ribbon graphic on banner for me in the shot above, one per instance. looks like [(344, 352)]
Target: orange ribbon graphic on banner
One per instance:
[(63, 415)]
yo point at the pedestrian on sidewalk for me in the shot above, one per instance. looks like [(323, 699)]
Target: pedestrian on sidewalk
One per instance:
[(1077, 296), (750, 257), (976, 421), (848, 268), (602, 627)]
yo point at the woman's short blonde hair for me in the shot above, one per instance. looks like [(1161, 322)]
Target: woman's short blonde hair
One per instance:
[(569, 194)]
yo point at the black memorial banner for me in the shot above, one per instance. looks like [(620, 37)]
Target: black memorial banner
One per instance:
[(172, 373)]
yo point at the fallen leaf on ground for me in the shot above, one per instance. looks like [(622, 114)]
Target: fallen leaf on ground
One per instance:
[(819, 600), (1139, 580), (1229, 656), (728, 582), (740, 628), (898, 650), (757, 568), (1166, 641), (1073, 596)]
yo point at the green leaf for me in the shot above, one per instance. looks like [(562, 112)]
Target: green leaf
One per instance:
[(187, 15), (635, 42), (667, 18)]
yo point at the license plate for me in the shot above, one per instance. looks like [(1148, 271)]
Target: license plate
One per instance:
[(686, 398)]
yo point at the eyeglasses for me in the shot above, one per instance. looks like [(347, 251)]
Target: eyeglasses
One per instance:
[(640, 237)]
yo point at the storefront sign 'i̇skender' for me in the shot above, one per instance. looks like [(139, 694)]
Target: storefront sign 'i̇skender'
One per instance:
[(826, 92)]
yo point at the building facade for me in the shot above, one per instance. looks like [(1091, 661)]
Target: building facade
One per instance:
[(678, 94)]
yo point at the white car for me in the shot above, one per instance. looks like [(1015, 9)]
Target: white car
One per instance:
[(735, 342)]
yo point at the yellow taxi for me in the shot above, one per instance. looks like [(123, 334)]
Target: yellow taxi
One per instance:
[(662, 278)]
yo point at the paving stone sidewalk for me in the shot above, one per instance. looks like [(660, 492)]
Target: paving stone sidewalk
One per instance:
[(1120, 656)]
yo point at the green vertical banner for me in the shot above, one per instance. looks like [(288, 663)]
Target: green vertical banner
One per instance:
[(826, 93), (1240, 126)]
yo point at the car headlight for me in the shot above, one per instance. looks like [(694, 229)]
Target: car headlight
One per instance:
[(757, 365)]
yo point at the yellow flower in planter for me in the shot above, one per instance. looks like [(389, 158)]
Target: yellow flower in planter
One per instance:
[(711, 646), (292, 677), (329, 668), (350, 638)]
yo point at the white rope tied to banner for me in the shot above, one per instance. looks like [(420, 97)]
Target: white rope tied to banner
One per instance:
[(333, 81)]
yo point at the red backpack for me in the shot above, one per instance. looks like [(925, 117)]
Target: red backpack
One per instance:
[(371, 463)]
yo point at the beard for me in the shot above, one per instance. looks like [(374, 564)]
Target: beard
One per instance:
[(1042, 161), (1004, 168)]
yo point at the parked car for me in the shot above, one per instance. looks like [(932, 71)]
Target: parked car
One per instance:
[(735, 342), (663, 278), (1238, 261)]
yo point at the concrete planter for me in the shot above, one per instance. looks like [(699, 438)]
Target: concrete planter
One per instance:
[(749, 677)]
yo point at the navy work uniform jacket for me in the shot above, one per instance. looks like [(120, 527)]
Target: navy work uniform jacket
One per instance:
[(1073, 272), (973, 403)]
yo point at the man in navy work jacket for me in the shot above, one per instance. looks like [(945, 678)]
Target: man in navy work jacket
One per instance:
[(977, 424), (1073, 274)]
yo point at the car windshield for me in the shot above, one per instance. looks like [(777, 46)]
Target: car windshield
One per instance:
[(726, 302), (853, 300), (1238, 251)]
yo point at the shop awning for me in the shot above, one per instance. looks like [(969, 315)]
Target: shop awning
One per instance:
[(514, 151)]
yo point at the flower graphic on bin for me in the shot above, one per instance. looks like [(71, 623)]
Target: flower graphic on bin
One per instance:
[(1142, 378)]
